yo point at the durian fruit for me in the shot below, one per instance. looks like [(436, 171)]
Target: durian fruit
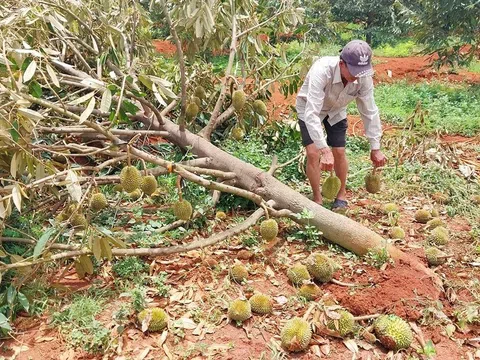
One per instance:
[(192, 111), (135, 194), (373, 183), (260, 108), (390, 208), (435, 256), (298, 273), (130, 178), (98, 201), (149, 184), (238, 273), (331, 187), (220, 215), (269, 229), (239, 310), (422, 216), (78, 221), (434, 213), (438, 236), (435, 222), (200, 92), (296, 335), (183, 210), (393, 332), (320, 267), (397, 232), (238, 133), (238, 100), (118, 188), (158, 318), (476, 199), (197, 101), (309, 291), (345, 325), (440, 198), (261, 304)]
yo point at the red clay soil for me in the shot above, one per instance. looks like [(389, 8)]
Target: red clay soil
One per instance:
[(399, 290)]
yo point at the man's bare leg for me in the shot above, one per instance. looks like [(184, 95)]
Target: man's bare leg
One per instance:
[(341, 170), (313, 171)]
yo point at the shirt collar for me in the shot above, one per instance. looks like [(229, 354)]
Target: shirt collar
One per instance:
[(337, 77)]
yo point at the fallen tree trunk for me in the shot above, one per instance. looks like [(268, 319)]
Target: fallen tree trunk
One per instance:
[(335, 227)]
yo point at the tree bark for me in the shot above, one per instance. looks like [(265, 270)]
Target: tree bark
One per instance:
[(335, 227)]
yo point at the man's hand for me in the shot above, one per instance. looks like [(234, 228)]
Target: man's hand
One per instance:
[(378, 159), (326, 159)]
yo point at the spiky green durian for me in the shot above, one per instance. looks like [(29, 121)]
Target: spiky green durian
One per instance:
[(78, 221), (197, 101), (261, 304), (422, 216), (296, 335), (98, 202), (438, 236), (220, 215), (183, 210), (345, 325), (269, 229), (135, 194), (238, 273), (130, 178), (192, 111), (309, 291), (260, 108), (435, 256), (397, 232), (200, 92), (149, 184), (373, 183), (435, 222), (393, 332), (158, 318), (298, 273), (238, 100), (331, 187), (238, 133), (239, 310), (390, 208), (118, 188), (320, 267)]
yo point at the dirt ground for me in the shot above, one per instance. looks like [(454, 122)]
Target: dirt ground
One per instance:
[(395, 288)]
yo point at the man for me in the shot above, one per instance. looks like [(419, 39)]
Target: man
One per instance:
[(331, 83)]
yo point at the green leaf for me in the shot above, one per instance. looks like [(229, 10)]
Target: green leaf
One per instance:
[(35, 89), (22, 299), (14, 131), (4, 323), (129, 107), (42, 242), (11, 292)]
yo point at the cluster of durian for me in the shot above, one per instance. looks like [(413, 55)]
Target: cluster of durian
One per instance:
[(195, 103), (239, 100), (241, 309), (133, 183), (74, 214)]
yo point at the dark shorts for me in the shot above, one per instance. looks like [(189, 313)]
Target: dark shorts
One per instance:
[(336, 134)]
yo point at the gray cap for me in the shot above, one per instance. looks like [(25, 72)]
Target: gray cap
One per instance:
[(357, 54)]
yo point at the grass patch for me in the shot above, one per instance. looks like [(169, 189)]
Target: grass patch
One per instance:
[(451, 109), (474, 67), (400, 49)]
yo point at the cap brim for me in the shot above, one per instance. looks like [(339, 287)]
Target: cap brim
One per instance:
[(360, 71)]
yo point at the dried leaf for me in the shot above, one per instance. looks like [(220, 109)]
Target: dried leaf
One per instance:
[(86, 264), (351, 345), (73, 186), (17, 197), (96, 249), (106, 101), (106, 249), (53, 76), (450, 329), (144, 353), (316, 350), (176, 296), (88, 111), (325, 348), (30, 71), (44, 339), (82, 99), (30, 114), (185, 323), (14, 165)]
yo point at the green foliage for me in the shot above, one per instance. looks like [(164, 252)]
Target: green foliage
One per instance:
[(138, 295), (129, 267), (309, 234), (400, 49), (453, 109), (77, 321)]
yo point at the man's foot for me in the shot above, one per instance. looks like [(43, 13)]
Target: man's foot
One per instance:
[(340, 205)]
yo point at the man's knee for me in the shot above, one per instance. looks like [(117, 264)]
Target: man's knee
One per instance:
[(339, 152), (313, 154)]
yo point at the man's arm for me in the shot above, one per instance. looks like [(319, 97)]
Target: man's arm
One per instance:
[(371, 121)]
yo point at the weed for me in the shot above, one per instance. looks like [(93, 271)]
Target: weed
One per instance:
[(400, 49), (378, 257), (250, 239), (309, 234), (159, 283), (138, 295), (129, 267)]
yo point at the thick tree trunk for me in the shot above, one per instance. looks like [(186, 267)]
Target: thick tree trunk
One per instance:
[(335, 227)]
